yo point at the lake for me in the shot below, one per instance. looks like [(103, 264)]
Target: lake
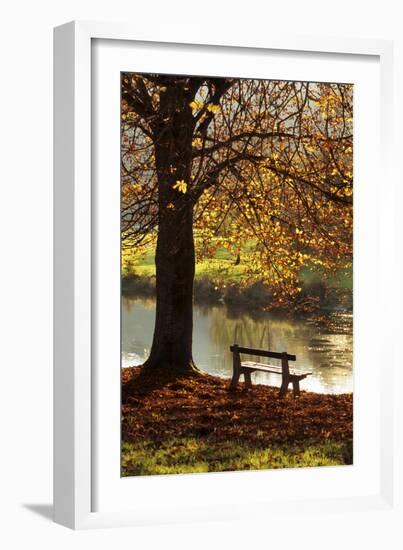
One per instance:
[(323, 345)]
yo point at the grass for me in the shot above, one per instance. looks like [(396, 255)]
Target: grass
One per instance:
[(343, 279), (222, 269), (191, 455)]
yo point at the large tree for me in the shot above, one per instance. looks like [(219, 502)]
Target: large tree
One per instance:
[(268, 162)]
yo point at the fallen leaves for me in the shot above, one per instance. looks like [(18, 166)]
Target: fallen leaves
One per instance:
[(157, 407)]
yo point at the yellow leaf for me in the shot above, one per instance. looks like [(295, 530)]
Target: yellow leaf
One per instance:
[(181, 186), (196, 105), (197, 142), (213, 108)]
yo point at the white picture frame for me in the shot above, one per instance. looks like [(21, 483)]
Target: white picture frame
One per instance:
[(75, 412)]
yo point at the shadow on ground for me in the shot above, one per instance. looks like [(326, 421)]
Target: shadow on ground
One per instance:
[(44, 510)]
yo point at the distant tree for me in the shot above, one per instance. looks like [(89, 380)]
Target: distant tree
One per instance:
[(257, 161)]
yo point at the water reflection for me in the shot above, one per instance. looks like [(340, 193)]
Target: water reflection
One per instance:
[(321, 345)]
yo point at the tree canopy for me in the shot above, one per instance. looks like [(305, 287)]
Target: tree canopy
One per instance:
[(262, 162)]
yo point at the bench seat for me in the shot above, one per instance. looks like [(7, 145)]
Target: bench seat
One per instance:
[(252, 365)]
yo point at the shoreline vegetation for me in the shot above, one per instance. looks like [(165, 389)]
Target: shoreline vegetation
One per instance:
[(223, 278), (315, 295), (194, 424)]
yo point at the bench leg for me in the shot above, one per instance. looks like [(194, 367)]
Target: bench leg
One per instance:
[(284, 386), (248, 379), (295, 387)]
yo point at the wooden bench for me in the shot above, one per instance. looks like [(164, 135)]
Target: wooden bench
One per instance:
[(247, 367)]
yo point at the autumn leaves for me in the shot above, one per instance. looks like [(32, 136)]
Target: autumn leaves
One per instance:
[(270, 167)]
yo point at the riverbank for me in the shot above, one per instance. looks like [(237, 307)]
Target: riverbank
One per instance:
[(314, 295), (223, 278), (193, 424)]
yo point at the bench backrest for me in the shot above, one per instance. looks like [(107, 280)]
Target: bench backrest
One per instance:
[(285, 357), (263, 353)]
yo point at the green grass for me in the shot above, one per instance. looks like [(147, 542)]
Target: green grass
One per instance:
[(342, 279), (189, 455), (222, 269)]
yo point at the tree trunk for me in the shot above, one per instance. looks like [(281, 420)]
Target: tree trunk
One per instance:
[(175, 268), (175, 252)]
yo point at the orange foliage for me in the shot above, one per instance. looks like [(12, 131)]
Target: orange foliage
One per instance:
[(272, 165)]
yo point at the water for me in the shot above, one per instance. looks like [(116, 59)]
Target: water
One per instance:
[(323, 346)]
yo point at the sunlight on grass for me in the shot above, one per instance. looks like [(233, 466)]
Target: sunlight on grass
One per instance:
[(222, 268), (189, 455)]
